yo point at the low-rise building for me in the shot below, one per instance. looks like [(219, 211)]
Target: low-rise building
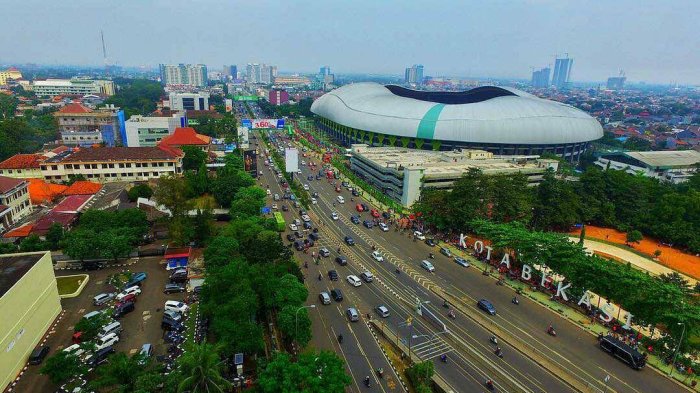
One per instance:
[(188, 101), (82, 126), (402, 173), (22, 166), (278, 97), (8, 75), (187, 136), (29, 303), (673, 166), (109, 164), (75, 86), (291, 81), (148, 131), (14, 201)]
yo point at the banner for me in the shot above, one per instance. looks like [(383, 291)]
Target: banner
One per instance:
[(263, 123), (250, 162), (245, 98), (291, 160), (243, 137)]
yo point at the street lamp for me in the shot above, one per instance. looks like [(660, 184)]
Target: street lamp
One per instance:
[(296, 318), (675, 353)]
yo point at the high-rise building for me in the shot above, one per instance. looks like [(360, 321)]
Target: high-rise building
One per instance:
[(414, 74), (325, 70), (562, 72), (267, 74), (233, 71), (254, 73), (540, 78), (184, 74), (617, 82), (189, 101)]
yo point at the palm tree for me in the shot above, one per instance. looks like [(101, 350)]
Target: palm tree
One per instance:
[(201, 369), (121, 372)]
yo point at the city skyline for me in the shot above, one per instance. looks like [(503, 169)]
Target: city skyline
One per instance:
[(471, 41)]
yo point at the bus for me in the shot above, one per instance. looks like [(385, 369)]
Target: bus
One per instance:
[(281, 225)]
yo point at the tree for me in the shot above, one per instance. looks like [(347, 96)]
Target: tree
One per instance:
[(63, 366), (322, 372), (634, 236), (203, 227), (116, 243), (171, 192), (54, 236), (140, 191), (194, 158), (295, 324), (7, 248), (420, 375), (80, 244), (556, 205), (228, 182), (248, 201), (220, 251), (91, 327), (201, 367), (120, 373), (33, 243), (8, 106)]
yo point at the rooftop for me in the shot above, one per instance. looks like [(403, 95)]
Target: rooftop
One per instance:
[(8, 183), (83, 187), (13, 267), (72, 204), (677, 158), (185, 136), (75, 108), (22, 161), (123, 154)]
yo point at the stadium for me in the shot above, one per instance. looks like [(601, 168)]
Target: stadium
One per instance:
[(501, 120)]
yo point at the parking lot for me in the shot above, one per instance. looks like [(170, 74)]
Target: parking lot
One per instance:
[(139, 327)]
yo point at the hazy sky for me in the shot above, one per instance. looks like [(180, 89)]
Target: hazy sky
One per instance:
[(653, 41)]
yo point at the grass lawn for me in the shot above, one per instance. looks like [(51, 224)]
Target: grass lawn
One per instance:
[(69, 284)]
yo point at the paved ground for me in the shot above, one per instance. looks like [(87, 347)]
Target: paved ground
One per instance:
[(139, 327)]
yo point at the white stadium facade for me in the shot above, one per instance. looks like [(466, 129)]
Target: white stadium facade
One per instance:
[(500, 120)]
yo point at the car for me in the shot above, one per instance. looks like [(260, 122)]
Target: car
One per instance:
[(364, 206), (310, 177), (307, 225), (427, 266), (314, 201), (268, 192), (145, 353), (136, 279), (122, 309), (349, 241), (38, 354), (315, 195), (419, 235), (306, 187), (341, 260), (345, 184), (296, 221), (333, 275), (128, 291), (290, 237), (446, 252), (359, 208), (103, 298), (367, 223), (354, 280), (298, 245), (99, 357), (168, 324), (313, 236), (276, 197), (355, 192), (355, 219), (461, 262), (128, 298), (324, 297), (334, 216), (383, 311), (386, 215), (337, 294), (367, 276), (374, 213), (486, 306), (308, 242), (324, 252), (306, 218), (293, 227), (114, 327), (106, 341), (285, 208), (352, 314), (377, 256), (176, 306), (319, 177), (172, 315), (298, 235), (274, 206), (178, 276), (430, 242), (303, 162)]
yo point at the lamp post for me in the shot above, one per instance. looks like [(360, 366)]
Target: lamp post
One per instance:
[(296, 318), (675, 353)]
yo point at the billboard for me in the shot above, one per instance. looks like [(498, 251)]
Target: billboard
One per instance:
[(250, 162), (229, 104), (247, 123), (291, 160), (263, 123), (245, 98), (243, 137)]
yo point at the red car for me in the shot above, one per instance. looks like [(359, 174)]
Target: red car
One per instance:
[(374, 213), (359, 208), (128, 298), (337, 189)]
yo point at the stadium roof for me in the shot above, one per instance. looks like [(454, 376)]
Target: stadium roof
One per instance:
[(666, 159), (486, 114)]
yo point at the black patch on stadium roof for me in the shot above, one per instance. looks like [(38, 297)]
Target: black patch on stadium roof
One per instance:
[(478, 94)]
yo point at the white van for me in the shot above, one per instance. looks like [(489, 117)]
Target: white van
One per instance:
[(340, 199), (114, 327), (174, 305)]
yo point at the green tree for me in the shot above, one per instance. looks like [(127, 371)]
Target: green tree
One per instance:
[(203, 225), (54, 236), (136, 96), (140, 191), (8, 106), (556, 205), (295, 324), (194, 158), (80, 244), (33, 243), (248, 201), (420, 375), (7, 248), (197, 182), (63, 366), (229, 180), (91, 327), (120, 373), (220, 251), (322, 372), (634, 236), (171, 192), (116, 243), (201, 368)]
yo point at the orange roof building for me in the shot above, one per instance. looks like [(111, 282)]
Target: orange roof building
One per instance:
[(43, 192), (82, 187), (22, 166), (186, 136)]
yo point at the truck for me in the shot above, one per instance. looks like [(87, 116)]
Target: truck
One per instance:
[(279, 219)]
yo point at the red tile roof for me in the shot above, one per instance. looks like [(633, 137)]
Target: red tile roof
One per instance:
[(41, 191), (22, 161), (123, 154), (65, 219), (185, 136), (72, 204), (8, 183), (83, 187), (22, 231), (75, 107)]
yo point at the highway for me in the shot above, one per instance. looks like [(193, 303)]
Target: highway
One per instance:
[(574, 353)]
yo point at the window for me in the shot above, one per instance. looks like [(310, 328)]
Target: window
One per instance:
[(138, 165), (54, 167), (94, 166), (128, 165), (121, 165), (69, 166), (111, 165), (104, 166)]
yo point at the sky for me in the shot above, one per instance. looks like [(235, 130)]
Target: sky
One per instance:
[(652, 41)]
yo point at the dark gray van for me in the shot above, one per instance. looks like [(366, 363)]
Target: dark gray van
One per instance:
[(623, 352)]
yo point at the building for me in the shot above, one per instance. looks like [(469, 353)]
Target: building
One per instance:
[(616, 82), (503, 121), (82, 126), (253, 73), (414, 75), (8, 75), (189, 101), (148, 131), (14, 201), (74, 87), (184, 74), (29, 303), (22, 166), (233, 71), (187, 136), (325, 70), (672, 166), (267, 74), (292, 81), (107, 164), (403, 173), (278, 97), (540, 78), (562, 72)]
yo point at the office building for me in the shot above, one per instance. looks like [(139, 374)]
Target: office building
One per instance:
[(672, 166), (189, 101), (82, 126), (148, 131), (14, 201), (616, 82), (278, 97), (292, 81), (325, 70), (184, 74), (253, 73), (73, 87), (540, 78), (107, 164), (402, 173), (10, 74), (29, 303), (562, 72), (414, 75), (233, 71)]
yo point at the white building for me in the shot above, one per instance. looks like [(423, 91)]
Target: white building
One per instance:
[(148, 131), (188, 101), (14, 201), (184, 74), (75, 86), (672, 166)]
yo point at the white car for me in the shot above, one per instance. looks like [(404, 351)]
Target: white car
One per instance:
[(293, 227), (377, 256), (384, 227), (354, 280), (306, 187), (274, 206), (419, 235), (303, 162), (313, 201), (305, 218), (269, 192), (174, 305), (106, 341), (279, 175), (128, 291), (427, 266), (334, 215)]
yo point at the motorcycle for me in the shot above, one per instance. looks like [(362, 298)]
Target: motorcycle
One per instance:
[(499, 282), (515, 301), (367, 381), (493, 340), (443, 358), (380, 372), (551, 332), (451, 314), (489, 385), (499, 352), (320, 276), (431, 255), (340, 339)]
